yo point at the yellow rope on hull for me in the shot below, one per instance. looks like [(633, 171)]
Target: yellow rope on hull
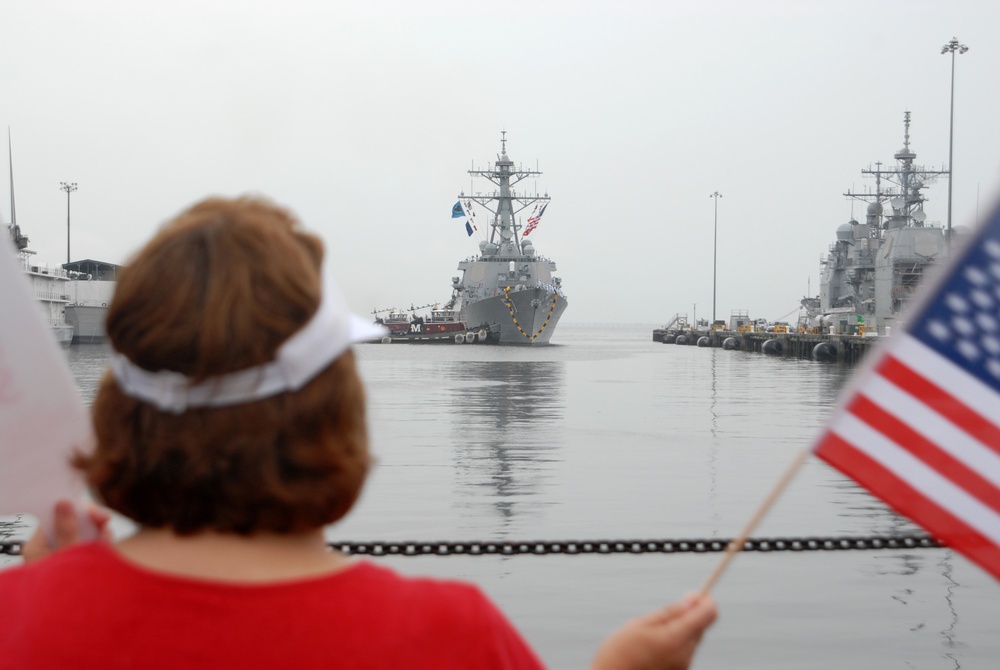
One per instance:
[(510, 308)]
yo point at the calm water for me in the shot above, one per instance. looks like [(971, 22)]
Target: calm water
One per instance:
[(608, 435)]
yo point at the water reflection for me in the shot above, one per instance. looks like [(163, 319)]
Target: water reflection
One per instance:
[(88, 362), (949, 634), (865, 514), (713, 447), (508, 419)]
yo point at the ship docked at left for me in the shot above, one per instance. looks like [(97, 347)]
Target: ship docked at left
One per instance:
[(50, 287), (73, 297)]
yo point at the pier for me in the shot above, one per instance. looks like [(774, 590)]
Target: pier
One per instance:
[(835, 347)]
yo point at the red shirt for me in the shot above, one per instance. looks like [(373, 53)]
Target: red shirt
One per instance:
[(86, 607)]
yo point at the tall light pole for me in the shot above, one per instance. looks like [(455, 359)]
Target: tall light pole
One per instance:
[(951, 47), (69, 188), (715, 251)]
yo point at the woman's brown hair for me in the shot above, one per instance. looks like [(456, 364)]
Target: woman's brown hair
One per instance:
[(217, 290)]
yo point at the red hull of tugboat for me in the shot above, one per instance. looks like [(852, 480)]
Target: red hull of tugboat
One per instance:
[(427, 328), (442, 326), (451, 332)]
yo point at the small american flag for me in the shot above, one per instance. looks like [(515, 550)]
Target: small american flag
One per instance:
[(534, 219), (921, 427)]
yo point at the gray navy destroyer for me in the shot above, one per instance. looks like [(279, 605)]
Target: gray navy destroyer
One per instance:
[(507, 294), (876, 266)]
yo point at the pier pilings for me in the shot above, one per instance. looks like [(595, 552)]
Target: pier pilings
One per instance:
[(843, 348)]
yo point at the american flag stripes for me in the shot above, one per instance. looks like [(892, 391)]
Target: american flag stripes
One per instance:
[(921, 427), (533, 220)]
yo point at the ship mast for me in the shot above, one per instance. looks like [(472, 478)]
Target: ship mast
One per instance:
[(20, 241), (905, 199), (505, 203)]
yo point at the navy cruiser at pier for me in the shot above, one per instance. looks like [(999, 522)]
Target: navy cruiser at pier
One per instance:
[(869, 275), (875, 266), (507, 294)]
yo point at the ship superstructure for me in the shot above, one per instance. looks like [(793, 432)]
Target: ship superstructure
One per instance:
[(508, 288), (874, 267)]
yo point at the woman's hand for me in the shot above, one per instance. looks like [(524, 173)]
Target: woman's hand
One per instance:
[(66, 530), (663, 640)]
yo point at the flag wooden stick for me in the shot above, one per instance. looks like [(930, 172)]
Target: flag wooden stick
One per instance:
[(736, 545)]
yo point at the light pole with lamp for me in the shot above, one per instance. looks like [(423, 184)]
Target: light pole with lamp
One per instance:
[(715, 251), (951, 47), (69, 188)]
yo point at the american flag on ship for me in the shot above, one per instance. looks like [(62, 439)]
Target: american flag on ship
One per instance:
[(533, 220), (921, 427)]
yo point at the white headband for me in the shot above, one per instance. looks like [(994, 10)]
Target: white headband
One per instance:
[(328, 334)]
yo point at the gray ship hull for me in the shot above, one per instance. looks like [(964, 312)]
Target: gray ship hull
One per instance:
[(527, 317), (87, 322)]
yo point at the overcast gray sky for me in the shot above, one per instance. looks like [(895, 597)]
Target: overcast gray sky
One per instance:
[(363, 117)]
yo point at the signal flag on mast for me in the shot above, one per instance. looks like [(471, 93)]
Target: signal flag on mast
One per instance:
[(457, 212)]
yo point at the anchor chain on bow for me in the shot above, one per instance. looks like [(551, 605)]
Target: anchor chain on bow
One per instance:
[(510, 308)]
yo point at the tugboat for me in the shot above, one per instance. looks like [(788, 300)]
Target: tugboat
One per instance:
[(507, 294), (443, 325), (874, 267)]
